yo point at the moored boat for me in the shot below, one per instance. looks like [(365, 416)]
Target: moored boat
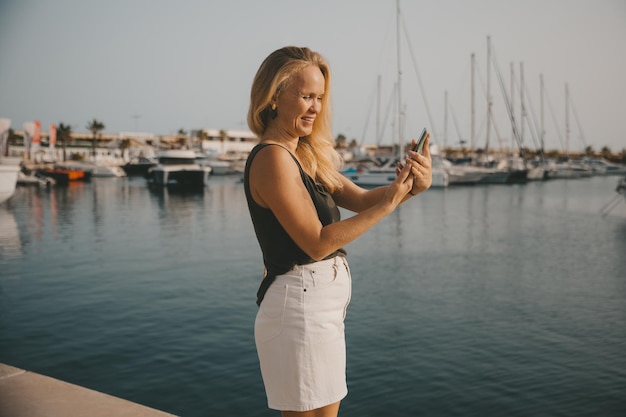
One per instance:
[(94, 169), (64, 176), (460, 174), (385, 174), (107, 171), (604, 167), (8, 179), (219, 164), (34, 178), (138, 166), (178, 168)]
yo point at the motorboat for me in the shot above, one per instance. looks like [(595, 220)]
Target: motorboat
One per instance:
[(8, 178), (385, 173), (568, 169), (460, 174), (219, 164), (604, 167), (219, 167), (179, 168), (372, 174), (107, 171), (94, 169), (138, 166), (34, 178), (65, 175)]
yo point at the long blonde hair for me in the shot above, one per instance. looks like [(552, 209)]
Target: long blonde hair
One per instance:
[(316, 151)]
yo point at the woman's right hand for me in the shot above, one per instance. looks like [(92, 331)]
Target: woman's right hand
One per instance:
[(400, 187)]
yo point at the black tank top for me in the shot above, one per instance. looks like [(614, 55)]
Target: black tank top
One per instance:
[(280, 252)]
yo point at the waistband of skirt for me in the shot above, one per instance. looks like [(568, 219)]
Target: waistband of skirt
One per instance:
[(325, 263), (269, 278)]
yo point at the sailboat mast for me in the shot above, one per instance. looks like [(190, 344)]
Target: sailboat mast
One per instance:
[(566, 120), (512, 101), (488, 93), (543, 129), (472, 105), (378, 88), (445, 119), (399, 81), (523, 114)]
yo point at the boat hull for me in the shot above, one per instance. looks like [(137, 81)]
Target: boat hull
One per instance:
[(179, 177), (138, 167), (370, 179), (516, 176), (8, 180), (65, 176)]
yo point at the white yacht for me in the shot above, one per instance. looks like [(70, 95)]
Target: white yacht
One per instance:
[(219, 163), (178, 167), (385, 174), (9, 170), (98, 169), (459, 174)]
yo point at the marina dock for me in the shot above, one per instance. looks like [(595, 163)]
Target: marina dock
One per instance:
[(28, 394)]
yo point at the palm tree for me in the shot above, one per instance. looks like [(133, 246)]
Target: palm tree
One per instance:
[(223, 138), (64, 132), (181, 138), (202, 136), (340, 142), (125, 144), (95, 126)]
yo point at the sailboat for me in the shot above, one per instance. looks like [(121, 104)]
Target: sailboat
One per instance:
[(382, 171), (508, 170), (486, 170), (538, 167), (565, 167)]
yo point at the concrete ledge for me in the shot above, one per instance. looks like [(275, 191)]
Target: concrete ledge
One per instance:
[(27, 394)]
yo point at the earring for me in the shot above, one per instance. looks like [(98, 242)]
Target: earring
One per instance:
[(274, 112)]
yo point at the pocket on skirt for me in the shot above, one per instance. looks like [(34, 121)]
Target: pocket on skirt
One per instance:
[(270, 318), (322, 277)]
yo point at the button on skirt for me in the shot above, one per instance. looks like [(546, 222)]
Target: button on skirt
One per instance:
[(299, 334)]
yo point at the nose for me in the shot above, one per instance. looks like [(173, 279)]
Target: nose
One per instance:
[(316, 106)]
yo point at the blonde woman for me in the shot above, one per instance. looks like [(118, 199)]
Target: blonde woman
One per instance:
[(294, 188)]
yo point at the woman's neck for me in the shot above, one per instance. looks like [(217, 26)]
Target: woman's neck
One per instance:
[(279, 137)]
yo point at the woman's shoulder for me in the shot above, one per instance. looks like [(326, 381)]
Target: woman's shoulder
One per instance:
[(275, 152), (272, 157)]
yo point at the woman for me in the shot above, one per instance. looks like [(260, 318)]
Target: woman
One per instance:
[(293, 188)]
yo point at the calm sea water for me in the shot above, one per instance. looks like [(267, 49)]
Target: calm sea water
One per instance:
[(472, 301)]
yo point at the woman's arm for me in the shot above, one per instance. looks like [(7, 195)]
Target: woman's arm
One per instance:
[(357, 199), (275, 183)]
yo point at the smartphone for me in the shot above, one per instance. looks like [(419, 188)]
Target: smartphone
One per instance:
[(420, 143)]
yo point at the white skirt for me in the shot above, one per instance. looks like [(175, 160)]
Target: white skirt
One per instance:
[(299, 334)]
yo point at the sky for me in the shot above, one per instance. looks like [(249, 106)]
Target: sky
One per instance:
[(159, 65)]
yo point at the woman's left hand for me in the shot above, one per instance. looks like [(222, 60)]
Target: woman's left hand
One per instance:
[(421, 168)]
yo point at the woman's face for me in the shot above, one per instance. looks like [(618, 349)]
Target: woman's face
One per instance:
[(300, 103)]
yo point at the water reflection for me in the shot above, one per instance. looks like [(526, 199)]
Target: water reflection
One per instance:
[(10, 244)]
